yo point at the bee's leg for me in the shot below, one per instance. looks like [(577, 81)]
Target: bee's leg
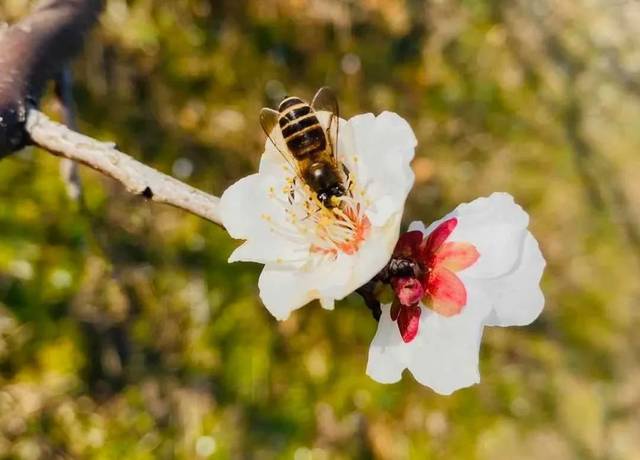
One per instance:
[(347, 177), (292, 196), (292, 192)]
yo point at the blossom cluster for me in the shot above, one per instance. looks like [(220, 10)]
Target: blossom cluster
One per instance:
[(477, 266)]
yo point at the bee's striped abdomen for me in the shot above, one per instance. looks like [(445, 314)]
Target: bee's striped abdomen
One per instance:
[(301, 129)]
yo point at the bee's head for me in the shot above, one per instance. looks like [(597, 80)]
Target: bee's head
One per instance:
[(331, 198)]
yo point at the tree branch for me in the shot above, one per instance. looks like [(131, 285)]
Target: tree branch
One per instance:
[(33, 51), (137, 177)]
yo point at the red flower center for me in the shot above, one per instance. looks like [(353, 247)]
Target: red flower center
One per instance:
[(434, 279)]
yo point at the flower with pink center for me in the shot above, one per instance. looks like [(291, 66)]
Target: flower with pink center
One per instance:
[(478, 266), (310, 251), (434, 281)]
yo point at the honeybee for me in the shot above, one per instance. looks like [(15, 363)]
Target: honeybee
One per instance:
[(310, 149)]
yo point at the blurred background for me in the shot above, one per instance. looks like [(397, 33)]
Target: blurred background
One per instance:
[(125, 334)]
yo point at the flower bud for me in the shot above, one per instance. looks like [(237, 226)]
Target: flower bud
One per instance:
[(409, 290)]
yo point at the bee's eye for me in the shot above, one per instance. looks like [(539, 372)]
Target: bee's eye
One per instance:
[(337, 191), (322, 196)]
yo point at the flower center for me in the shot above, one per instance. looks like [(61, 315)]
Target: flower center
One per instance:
[(329, 231), (425, 269)]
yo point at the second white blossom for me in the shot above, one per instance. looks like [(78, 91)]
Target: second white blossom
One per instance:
[(477, 266)]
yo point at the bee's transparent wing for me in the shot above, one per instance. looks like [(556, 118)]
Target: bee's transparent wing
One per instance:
[(325, 100), (268, 121)]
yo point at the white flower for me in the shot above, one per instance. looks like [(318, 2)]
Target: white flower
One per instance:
[(478, 266), (312, 252)]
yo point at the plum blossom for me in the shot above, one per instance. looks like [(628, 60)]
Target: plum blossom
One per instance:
[(310, 251), (477, 266)]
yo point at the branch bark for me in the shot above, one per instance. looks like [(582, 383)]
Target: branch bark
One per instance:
[(137, 177), (33, 51)]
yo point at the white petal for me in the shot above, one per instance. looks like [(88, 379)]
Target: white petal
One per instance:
[(496, 226), (517, 298), (419, 226), (327, 303), (283, 289), (234, 203), (243, 208), (443, 356), (388, 354), (447, 350), (274, 160), (379, 150)]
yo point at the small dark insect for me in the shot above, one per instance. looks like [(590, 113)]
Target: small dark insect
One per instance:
[(400, 268)]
